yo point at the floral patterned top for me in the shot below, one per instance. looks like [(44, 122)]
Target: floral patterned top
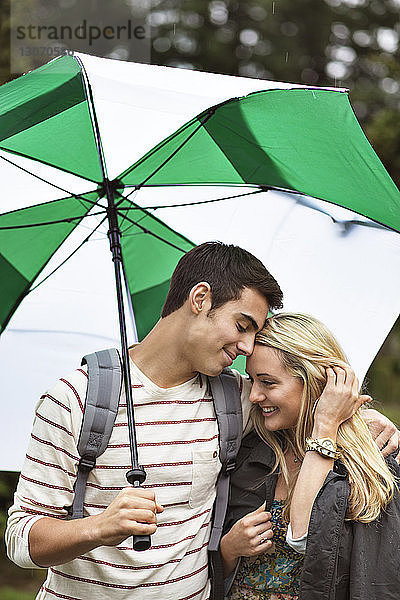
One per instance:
[(274, 575)]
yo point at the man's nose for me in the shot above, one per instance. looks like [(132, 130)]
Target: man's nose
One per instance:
[(246, 345)]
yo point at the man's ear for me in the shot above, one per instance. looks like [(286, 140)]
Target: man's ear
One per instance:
[(200, 297)]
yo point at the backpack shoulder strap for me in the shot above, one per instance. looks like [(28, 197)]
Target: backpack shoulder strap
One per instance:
[(228, 409), (101, 407)]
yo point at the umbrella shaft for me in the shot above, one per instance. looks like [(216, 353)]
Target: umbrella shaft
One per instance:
[(114, 236)]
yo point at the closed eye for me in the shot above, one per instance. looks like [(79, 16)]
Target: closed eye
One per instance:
[(240, 328)]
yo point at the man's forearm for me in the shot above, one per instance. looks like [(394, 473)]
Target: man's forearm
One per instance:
[(384, 432), (132, 512), (54, 542)]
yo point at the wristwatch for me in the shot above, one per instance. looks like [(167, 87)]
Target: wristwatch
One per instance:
[(324, 446)]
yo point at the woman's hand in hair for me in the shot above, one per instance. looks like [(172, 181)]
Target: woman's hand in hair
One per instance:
[(249, 536), (340, 398)]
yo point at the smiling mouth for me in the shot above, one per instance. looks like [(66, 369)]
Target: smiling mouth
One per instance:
[(269, 410), (230, 356)]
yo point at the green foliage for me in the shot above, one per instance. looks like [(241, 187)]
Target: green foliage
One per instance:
[(384, 129), (8, 482), (392, 412), (383, 377), (5, 40), (9, 593)]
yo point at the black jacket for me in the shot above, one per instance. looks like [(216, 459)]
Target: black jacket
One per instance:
[(344, 560)]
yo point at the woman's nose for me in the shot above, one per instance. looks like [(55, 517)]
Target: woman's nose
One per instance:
[(255, 394)]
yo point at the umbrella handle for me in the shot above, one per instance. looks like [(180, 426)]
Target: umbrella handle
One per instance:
[(136, 477), (141, 542)]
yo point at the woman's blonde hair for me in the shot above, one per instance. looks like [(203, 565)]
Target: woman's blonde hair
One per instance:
[(306, 347)]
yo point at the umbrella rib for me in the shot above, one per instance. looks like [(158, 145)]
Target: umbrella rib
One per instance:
[(208, 115), (146, 208), (47, 164), (117, 204), (24, 208), (145, 213), (137, 207), (133, 225), (93, 117), (68, 257), (209, 112), (25, 291), (154, 218), (76, 196), (263, 188), (66, 220), (155, 149), (145, 230)]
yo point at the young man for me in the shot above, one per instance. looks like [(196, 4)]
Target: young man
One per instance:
[(218, 300)]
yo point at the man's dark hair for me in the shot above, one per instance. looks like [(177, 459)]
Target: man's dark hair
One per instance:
[(228, 269)]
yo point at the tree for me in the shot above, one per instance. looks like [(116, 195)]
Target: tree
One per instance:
[(350, 43)]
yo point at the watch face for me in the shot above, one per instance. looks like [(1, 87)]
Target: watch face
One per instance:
[(324, 446), (328, 445)]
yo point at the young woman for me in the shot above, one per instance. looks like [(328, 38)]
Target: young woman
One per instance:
[(315, 510)]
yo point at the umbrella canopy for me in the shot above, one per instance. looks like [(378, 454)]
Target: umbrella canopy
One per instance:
[(280, 169)]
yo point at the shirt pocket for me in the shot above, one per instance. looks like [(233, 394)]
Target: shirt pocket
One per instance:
[(205, 469)]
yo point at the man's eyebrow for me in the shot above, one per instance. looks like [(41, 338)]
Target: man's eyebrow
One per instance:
[(252, 322)]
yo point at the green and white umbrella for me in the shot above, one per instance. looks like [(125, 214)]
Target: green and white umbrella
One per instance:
[(281, 169)]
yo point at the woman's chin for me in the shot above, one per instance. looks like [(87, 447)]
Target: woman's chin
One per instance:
[(272, 421)]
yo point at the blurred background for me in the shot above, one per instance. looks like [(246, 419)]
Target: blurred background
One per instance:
[(344, 43)]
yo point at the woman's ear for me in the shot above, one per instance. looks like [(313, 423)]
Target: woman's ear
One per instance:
[(200, 297)]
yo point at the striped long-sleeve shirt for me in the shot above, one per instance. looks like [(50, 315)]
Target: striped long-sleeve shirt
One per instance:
[(177, 436)]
